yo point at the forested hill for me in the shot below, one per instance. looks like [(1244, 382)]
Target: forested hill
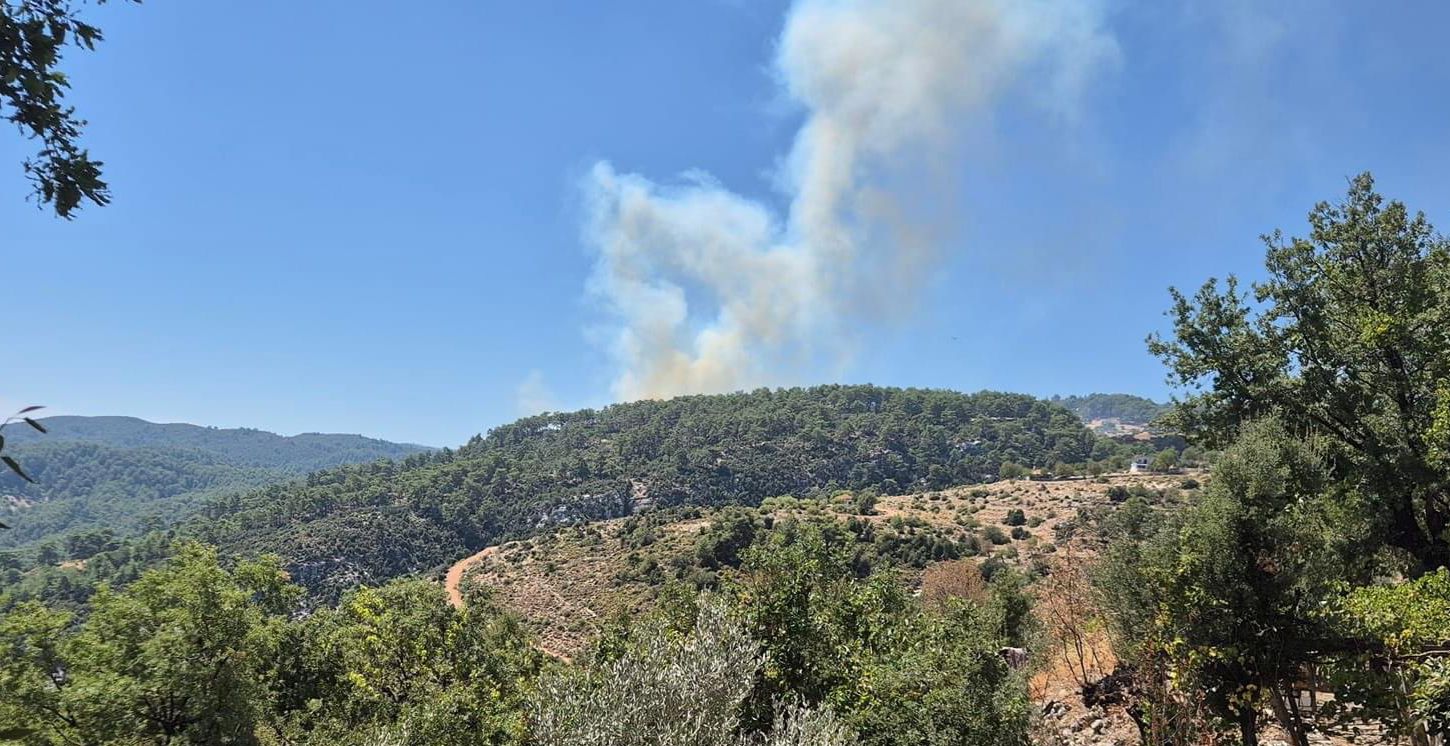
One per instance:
[(1127, 408), (244, 447), (117, 475), (369, 522)]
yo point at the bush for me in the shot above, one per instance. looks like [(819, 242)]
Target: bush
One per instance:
[(1010, 470), (952, 579), (1019, 533), (661, 690), (1189, 484), (995, 535), (1015, 517)]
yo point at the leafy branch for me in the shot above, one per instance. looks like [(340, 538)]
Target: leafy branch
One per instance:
[(21, 416)]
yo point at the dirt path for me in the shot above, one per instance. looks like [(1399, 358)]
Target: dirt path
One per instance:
[(455, 575)]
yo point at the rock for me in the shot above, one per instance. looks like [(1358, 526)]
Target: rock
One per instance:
[(1015, 657)]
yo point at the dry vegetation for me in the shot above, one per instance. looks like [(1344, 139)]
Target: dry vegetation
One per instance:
[(566, 583)]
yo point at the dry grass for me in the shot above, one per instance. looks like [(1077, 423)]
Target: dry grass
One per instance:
[(565, 583)]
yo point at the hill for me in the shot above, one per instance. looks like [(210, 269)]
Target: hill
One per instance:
[(121, 474), (370, 522), (245, 447)]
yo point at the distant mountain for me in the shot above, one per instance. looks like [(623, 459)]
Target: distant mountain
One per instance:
[(367, 523), (122, 474), (1125, 408), (237, 446)]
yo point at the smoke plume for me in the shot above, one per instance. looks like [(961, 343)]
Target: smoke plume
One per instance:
[(709, 291)]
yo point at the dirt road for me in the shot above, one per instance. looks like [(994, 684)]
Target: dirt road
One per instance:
[(454, 578)]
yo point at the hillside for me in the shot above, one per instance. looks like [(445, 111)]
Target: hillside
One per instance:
[(121, 474), (370, 522), (569, 583), (1114, 414)]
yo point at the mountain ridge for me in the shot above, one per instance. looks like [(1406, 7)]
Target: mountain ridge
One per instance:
[(123, 474), (130, 432)]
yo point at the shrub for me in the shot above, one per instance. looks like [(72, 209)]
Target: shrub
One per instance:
[(661, 690), (864, 503), (995, 535), (1010, 470), (954, 579), (1015, 517)]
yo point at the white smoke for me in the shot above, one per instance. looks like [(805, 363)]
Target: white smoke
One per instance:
[(712, 291)]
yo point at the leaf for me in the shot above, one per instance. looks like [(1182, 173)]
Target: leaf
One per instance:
[(15, 467), (31, 408), (35, 424)]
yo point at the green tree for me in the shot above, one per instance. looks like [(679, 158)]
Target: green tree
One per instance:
[(941, 683), (1165, 460), (1227, 594), (181, 656), (894, 671), (1402, 679), (399, 664), (33, 35), (1344, 338), (801, 599), (1012, 470)]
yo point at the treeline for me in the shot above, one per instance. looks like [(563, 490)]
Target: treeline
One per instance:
[(801, 647), (371, 522)]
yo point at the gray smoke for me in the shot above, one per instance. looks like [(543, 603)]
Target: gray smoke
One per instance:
[(708, 291)]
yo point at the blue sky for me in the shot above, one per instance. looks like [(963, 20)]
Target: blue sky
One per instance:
[(367, 217)]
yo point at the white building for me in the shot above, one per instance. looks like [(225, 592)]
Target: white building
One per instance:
[(1139, 465)]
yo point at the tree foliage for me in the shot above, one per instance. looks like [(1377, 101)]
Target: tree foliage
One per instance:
[(1345, 338), (1327, 385), (33, 36)]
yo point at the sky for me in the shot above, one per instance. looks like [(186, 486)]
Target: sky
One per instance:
[(420, 221)]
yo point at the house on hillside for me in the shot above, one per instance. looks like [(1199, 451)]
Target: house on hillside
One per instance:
[(1140, 465)]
